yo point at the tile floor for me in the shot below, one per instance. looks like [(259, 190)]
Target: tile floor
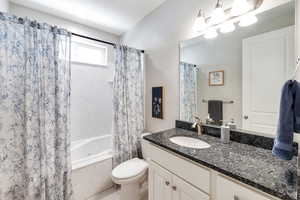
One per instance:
[(111, 194)]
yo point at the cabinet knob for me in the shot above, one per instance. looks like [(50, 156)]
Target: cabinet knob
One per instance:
[(246, 117), (236, 197), (167, 183), (174, 188)]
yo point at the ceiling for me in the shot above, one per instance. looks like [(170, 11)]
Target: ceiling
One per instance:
[(113, 16)]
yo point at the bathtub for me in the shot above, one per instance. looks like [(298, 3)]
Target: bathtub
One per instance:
[(91, 166)]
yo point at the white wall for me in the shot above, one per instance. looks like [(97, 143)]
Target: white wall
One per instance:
[(159, 34), (69, 25), (298, 34), (91, 95), (4, 6)]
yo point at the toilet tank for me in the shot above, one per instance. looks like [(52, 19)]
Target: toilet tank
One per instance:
[(145, 147)]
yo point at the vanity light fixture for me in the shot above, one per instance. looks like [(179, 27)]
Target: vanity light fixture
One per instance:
[(240, 7), (248, 20), (227, 27), (241, 12), (200, 23), (218, 14), (210, 33)]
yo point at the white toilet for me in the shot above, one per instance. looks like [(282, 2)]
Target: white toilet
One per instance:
[(131, 175)]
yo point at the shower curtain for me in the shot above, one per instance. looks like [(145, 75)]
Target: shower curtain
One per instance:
[(34, 111), (188, 98), (128, 104)]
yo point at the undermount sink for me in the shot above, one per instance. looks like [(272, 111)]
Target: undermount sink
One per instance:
[(189, 142)]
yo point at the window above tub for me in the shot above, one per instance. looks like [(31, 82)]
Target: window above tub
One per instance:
[(88, 52)]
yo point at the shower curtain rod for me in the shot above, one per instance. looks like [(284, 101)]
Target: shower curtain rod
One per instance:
[(97, 40)]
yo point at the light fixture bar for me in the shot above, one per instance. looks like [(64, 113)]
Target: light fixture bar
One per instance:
[(231, 19)]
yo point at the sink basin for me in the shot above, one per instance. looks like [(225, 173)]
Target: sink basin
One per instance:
[(189, 142)]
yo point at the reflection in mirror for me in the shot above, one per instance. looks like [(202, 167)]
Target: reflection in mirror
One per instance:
[(238, 76)]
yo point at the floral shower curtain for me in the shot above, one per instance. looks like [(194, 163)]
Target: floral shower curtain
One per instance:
[(188, 98), (128, 104), (34, 111)]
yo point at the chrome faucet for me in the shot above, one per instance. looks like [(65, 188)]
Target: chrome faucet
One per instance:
[(198, 124)]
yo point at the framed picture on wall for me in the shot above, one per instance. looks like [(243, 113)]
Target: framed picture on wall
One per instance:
[(157, 102), (216, 78)]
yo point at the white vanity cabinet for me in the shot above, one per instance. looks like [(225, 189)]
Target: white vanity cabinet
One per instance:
[(172, 177), (229, 190), (160, 183), (163, 185)]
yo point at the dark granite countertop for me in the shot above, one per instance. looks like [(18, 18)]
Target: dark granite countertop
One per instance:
[(249, 164)]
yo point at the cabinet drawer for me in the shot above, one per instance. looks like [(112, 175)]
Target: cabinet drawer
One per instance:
[(192, 173), (229, 190)]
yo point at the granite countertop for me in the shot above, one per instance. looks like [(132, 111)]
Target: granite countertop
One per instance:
[(249, 164)]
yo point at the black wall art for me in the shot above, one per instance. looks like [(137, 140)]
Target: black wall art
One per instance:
[(157, 102)]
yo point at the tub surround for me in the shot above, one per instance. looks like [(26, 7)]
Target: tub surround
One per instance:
[(4, 6), (246, 163)]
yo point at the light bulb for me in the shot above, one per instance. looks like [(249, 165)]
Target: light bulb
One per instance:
[(200, 22), (210, 33), (248, 20), (240, 7), (218, 14), (227, 27)]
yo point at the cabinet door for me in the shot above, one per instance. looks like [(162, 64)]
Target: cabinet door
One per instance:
[(185, 191), (229, 190), (160, 183)]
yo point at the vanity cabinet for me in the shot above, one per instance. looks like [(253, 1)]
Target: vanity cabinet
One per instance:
[(163, 185), (172, 177), (160, 183), (229, 190)]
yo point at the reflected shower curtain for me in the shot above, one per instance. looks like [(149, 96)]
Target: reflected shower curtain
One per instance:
[(34, 111), (128, 104), (188, 99)]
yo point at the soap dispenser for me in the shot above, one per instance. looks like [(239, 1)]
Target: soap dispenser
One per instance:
[(225, 133)]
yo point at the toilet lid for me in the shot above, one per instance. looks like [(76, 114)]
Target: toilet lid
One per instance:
[(130, 168)]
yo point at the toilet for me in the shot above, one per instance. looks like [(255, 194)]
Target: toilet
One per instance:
[(131, 175)]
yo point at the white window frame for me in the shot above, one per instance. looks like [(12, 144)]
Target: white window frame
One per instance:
[(92, 44)]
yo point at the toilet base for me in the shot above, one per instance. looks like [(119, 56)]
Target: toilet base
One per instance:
[(130, 191)]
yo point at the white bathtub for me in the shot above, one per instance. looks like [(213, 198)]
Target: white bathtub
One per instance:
[(88, 151), (91, 166)]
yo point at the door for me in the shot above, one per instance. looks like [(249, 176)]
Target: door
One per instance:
[(184, 191), (268, 61), (160, 183)]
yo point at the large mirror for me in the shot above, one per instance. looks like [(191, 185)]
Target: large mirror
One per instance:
[(238, 76)]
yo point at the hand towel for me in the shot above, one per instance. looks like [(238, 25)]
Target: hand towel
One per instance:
[(289, 120), (215, 110)]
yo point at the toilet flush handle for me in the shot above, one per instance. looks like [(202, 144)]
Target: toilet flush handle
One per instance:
[(236, 197), (174, 188)]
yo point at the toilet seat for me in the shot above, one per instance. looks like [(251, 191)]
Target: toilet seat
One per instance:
[(129, 171)]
